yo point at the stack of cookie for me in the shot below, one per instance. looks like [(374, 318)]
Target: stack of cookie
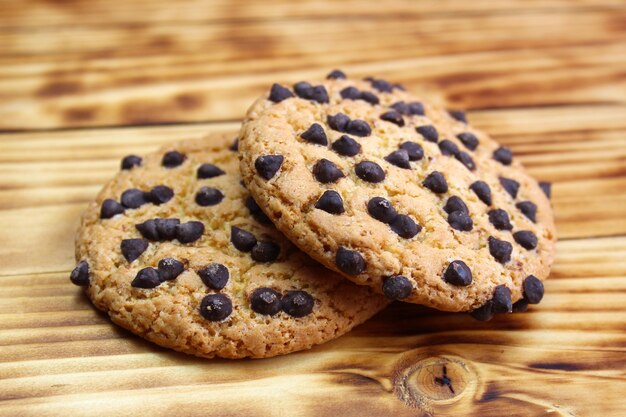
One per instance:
[(336, 198)]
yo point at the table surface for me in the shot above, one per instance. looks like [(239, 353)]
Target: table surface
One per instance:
[(84, 82)]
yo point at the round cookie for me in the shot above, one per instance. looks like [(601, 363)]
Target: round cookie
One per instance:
[(175, 250), (399, 194)]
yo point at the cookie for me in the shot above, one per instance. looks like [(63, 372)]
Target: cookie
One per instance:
[(397, 193), (175, 250)]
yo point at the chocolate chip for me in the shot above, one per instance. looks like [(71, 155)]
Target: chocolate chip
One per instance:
[(349, 261), (469, 140), (133, 198), (131, 161), (338, 122), (460, 220), (381, 209), (503, 155), (350, 93), (297, 303), (331, 202), (315, 134), (369, 171), (482, 191), (465, 159), (167, 229), (526, 239), (399, 158), (265, 251), (458, 115), (160, 194), (458, 273), (146, 278), (501, 301), (414, 150), (428, 132), (256, 211), (500, 249), (209, 171), (346, 146), (189, 232), (242, 239), (529, 209), (170, 269), (110, 208), (133, 248), (484, 313), (279, 93), (148, 229), (358, 128), (268, 165), (317, 93), (302, 89), (326, 171), (382, 86), (214, 276), (216, 307), (436, 182), (410, 109), (235, 145), (371, 98), (546, 187), (511, 186), (336, 75), (265, 301), (500, 219), (404, 226), (533, 289), (397, 287), (520, 306), (447, 147), (172, 159), (393, 117), (455, 203), (208, 196), (80, 275)]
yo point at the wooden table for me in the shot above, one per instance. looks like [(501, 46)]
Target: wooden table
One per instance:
[(85, 82)]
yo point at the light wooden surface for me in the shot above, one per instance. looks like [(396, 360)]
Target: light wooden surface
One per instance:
[(83, 83)]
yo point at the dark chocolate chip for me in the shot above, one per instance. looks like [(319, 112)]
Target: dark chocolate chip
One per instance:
[(338, 122), (265, 251), (302, 89), (455, 203), (546, 187), (319, 94), (170, 269), (369, 171), (315, 134), (529, 209), (235, 145), (500, 219), (326, 171), (110, 208), (268, 165), (458, 273), (131, 161), (216, 307), (382, 86), (394, 117), (80, 275), (146, 278), (349, 261), (242, 239), (167, 229), (469, 140), (397, 287), (172, 159), (133, 248), (483, 313), (428, 132), (414, 150), (279, 93), (449, 148), (148, 229), (265, 301), (460, 220), (533, 289), (458, 115), (256, 211), (214, 276), (526, 239), (381, 209), (160, 194), (404, 226), (520, 306), (511, 186), (503, 155), (465, 159), (500, 249), (410, 109), (350, 93), (371, 98), (331, 202), (189, 232), (436, 182), (133, 198), (346, 146), (208, 196), (297, 303), (399, 158), (359, 128), (501, 301), (336, 75), (482, 191), (209, 171)]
